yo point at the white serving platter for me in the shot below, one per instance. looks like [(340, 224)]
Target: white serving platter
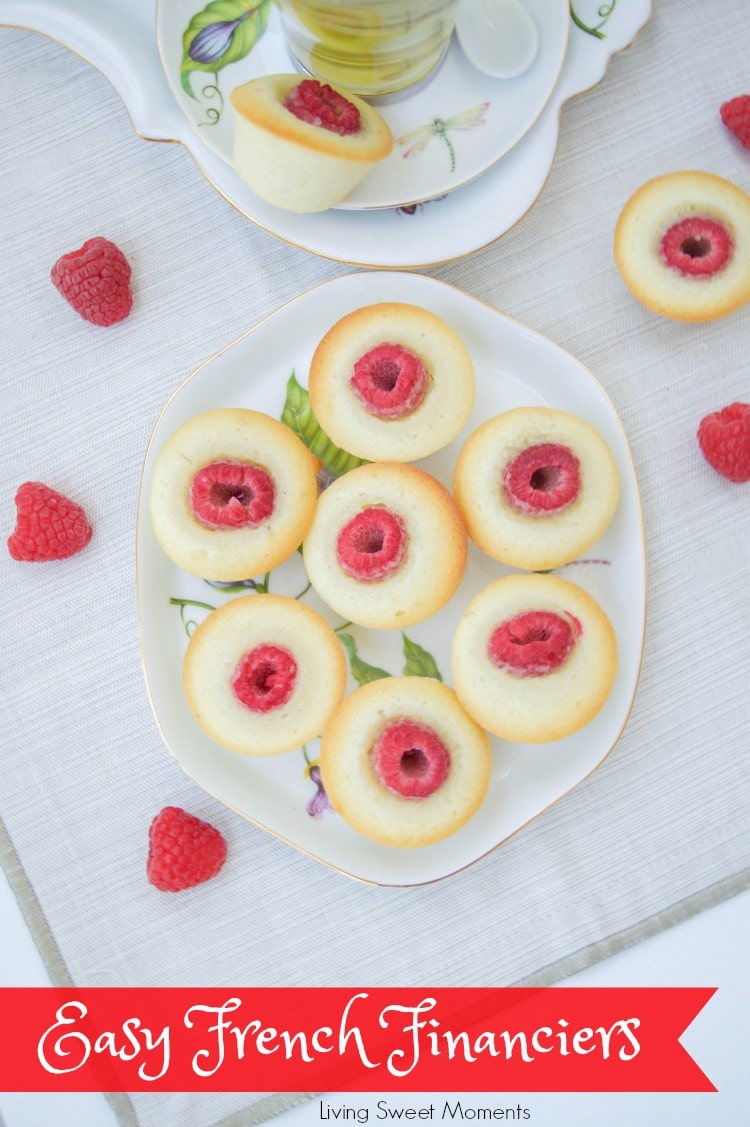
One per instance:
[(515, 367)]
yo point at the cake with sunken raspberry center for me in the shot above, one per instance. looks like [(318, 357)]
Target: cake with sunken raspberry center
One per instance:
[(390, 381), (264, 679), (682, 245), (372, 545), (303, 145), (231, 495), (533, 643), (263, 673), (544, 478), (534, 658), (387, 547), (403, 763), (410, 759), (536, 487)]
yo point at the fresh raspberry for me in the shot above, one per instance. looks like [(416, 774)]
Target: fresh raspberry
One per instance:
[(542, 479), (372, 545), (265, 678), (736, 116), (696, 246), (182, 850), (390, 381), (724, 438), (96, 281), (533, 643), (48, 525), (231, 495), (323, 106), (409, 759)]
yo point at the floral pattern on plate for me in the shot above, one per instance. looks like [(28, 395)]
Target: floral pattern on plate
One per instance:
[(221, 33)]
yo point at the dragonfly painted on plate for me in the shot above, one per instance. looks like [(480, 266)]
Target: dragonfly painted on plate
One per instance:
[(419, 139)]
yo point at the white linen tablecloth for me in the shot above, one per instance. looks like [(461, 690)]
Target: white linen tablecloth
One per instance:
[(658, 832)]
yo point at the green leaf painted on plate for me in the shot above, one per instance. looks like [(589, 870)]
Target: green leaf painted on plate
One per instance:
[(190, 624), (298, 416), (604, 11), (223, 32), (418, 662), (362, 672)]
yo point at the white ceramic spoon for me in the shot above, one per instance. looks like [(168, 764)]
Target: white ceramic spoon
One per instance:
[(498, 37)]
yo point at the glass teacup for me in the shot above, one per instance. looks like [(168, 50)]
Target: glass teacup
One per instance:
[(375, 48)]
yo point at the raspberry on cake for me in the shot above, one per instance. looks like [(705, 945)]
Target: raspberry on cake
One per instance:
[(322, 105), (233, 494), (534, 658), (372, 545), (682, 246), (543, 478), (410, 759), (304, 146), (387, 546), (262, 674), (536, 487), (391, 382), (533, 642), (403, 763)]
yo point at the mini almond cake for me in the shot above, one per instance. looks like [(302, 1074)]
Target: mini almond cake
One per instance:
[(263, 673), (233, 494), (391, 382), (534, 658), (403, 763), (682, 245), (387, 547), (536, 487), (304, 146)]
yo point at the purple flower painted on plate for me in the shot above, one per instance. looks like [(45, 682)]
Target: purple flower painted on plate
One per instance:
[(415, 208), (223, 32), (221, 585), (215, 40), (318, 804)]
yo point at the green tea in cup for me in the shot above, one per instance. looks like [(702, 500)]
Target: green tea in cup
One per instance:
[(374, 48)]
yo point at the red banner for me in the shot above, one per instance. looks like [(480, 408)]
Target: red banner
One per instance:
[(562, 1039)]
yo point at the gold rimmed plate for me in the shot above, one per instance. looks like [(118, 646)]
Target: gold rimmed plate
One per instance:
[(266, 369)]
